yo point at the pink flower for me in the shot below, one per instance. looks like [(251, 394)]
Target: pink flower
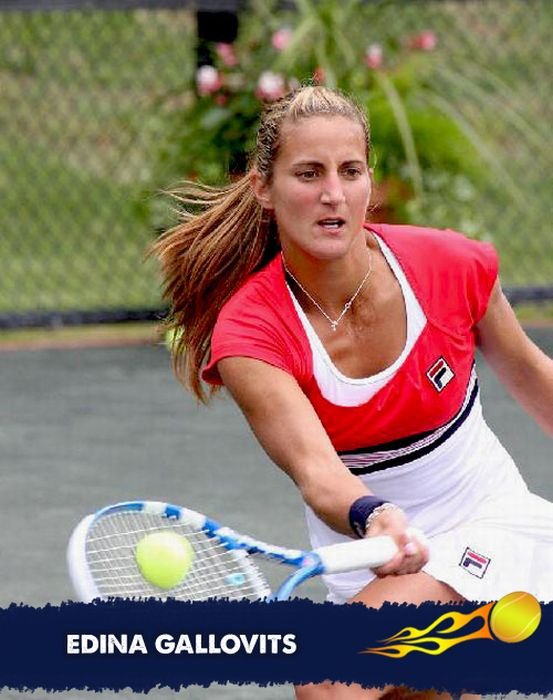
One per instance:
[(319, 75), (270, 86), (226, 54), (374, 56), (281, 38), (208, 80), (425, 41)]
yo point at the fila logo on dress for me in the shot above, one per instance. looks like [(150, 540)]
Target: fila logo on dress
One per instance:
[(440, 374), (475, 564)]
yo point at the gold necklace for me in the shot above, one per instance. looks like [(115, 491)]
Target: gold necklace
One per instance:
[(333, 321)]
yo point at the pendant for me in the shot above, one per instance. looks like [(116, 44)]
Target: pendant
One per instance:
[(333, 325)]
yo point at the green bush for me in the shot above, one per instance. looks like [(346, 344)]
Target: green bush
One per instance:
[(420, 150)]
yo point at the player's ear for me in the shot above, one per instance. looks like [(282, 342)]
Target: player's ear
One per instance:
[(261, 189), (371, 177)]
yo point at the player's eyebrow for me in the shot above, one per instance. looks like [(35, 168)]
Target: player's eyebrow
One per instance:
[(355, 161), (316, 163), (304, 163)]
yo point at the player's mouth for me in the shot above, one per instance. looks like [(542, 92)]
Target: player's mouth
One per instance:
[(332, 224)]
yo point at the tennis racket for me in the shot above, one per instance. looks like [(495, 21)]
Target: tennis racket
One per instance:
[(102, 560)]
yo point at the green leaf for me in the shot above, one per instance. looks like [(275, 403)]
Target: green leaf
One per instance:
[(501, 100), (214, 117), (480, 145), (404, 128), (297, 44)]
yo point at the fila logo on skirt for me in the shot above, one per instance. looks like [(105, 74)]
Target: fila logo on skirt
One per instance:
[(475, 564), (440, 374)]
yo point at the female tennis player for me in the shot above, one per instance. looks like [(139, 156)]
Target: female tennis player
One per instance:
[(350, 346)]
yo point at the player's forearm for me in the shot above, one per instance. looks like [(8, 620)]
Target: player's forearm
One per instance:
[(528, 377), (292, 435), (330, 490), (524, 369), (533, 389), (324, 482)]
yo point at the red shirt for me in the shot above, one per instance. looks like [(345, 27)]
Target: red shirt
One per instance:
[(451, 277)]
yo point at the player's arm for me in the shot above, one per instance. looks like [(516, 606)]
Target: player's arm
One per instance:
[(291, 433), (524, 369)]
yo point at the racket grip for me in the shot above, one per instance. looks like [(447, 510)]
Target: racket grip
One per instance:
[(367, 553)]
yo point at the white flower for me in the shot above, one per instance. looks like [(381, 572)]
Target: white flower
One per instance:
[(373, 56), (208, 80), (270, 86)]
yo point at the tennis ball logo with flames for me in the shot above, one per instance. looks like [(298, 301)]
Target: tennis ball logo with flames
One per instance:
[(514, 618)]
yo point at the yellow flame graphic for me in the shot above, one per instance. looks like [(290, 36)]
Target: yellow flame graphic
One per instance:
[(411, 639)]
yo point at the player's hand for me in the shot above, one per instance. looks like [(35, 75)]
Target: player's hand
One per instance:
[(413, 552)]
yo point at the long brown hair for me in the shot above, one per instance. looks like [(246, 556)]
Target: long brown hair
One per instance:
[(224, 235)]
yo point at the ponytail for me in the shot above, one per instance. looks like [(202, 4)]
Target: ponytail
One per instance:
[(223, 237)]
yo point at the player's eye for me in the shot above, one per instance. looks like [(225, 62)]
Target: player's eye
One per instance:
[(352, 172), (307, 174)]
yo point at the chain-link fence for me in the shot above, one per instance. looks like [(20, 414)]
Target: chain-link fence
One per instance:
[(91, 98)]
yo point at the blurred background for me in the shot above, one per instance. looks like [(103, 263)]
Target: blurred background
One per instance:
[(105, 103)]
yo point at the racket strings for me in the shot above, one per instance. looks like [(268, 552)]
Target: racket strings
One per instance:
[(215, 572)]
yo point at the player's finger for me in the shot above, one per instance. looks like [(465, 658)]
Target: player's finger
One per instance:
[(391, 567), (418, 542), (412, 556), (418, 535)]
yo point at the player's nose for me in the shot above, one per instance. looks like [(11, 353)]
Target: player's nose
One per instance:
[(332, 191)]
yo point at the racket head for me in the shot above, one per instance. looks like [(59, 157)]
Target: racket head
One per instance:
[(102, 562)]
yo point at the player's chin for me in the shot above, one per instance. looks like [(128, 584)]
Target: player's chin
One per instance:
[(330, 253), (331, 247)]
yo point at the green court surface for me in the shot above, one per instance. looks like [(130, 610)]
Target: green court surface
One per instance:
[(82, 428)]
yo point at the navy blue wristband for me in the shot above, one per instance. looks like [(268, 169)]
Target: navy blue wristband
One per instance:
[(359, 512)]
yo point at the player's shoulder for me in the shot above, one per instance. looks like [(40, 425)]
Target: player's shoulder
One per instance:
[(452, 274), (261, 290), (433, 249), (420, 240), (259, 321)]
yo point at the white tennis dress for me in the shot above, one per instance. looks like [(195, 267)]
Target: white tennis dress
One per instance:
[(488, 534)]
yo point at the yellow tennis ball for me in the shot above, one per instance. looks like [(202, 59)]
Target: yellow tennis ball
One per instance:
[(164, 558), (515, 617)]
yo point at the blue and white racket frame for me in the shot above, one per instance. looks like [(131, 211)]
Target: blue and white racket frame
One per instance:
[(337, 558)]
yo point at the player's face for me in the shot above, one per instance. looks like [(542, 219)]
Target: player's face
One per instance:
[(320, 188)]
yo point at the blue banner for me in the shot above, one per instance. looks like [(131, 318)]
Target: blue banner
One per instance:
[(488, 648)]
